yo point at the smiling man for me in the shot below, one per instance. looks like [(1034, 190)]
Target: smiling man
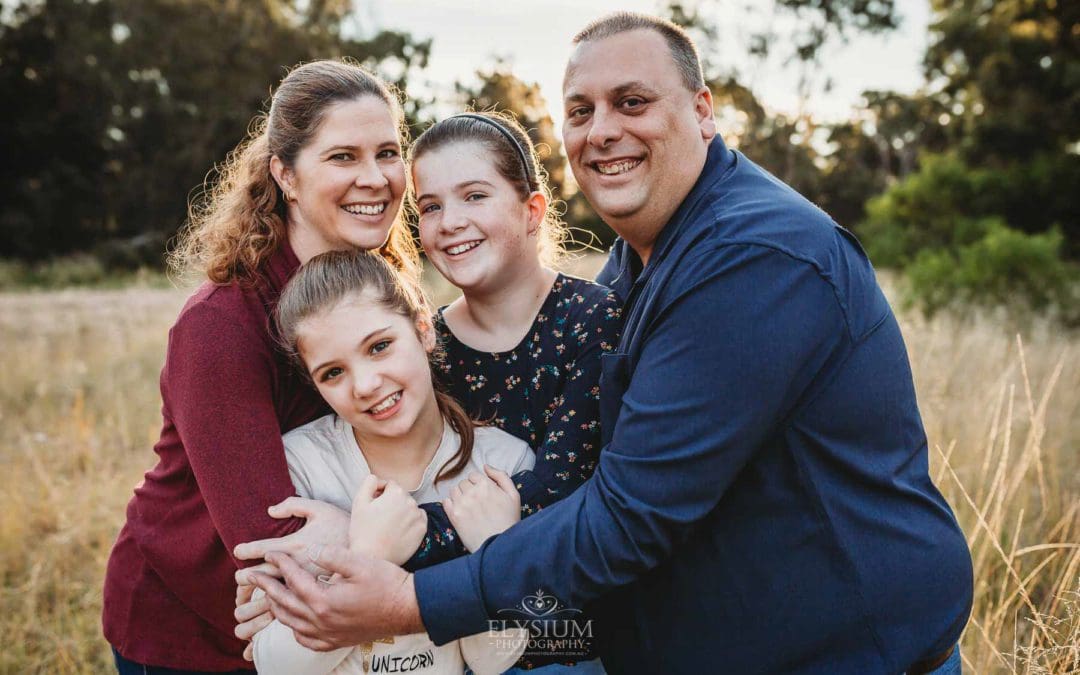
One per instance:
[(762, 503)]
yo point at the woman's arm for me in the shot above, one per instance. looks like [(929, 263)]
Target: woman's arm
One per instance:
[(218, 394)]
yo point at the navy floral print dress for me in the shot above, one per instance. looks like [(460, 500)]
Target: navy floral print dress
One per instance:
[(545, 391)]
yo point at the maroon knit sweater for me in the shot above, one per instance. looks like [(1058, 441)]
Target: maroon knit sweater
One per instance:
[(227, 397)]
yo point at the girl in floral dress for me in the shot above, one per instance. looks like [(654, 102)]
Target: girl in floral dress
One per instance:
[(523, 342)]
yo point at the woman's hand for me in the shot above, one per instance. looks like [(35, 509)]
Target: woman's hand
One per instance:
[(326, 525), (482, 506), (386, 522)]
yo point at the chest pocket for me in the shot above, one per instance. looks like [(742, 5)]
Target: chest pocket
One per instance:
[(614, 380)]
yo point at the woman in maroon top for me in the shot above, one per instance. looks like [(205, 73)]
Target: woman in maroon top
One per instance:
[(322, 170)]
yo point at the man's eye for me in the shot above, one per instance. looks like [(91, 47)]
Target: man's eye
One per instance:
[(632, 103), (380, 346), (330, 373), (580, 111)]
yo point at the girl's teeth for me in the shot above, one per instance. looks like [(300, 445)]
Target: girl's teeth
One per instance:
[(620, 167), (387, 403), (461, 248), (365, 209)]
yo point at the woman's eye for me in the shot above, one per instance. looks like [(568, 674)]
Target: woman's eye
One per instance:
[(475, 196), (330, 373), (428, 208), (388, 154), (341, 157), (380, 346)]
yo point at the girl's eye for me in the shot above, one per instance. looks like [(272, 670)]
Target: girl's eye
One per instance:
[(380, 346), (388, 154), (475, 196), (330, 373), (428, 208)]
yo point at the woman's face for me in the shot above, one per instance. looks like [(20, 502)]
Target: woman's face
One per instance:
[(474, 227), (371, 365), (346, 185)]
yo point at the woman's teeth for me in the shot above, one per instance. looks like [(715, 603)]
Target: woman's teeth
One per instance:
[(386, 403), (461, 248), (617, 167), (365, 209)]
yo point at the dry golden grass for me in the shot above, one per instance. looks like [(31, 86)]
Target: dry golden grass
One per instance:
[(79, 410)]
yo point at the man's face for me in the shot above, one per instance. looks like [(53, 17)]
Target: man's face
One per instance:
[(635, 135)]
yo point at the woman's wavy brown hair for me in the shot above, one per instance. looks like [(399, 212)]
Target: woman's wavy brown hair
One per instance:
[(332, 277), (239, 219)]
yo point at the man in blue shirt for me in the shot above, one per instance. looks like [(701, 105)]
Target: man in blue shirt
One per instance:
[(762, 503)]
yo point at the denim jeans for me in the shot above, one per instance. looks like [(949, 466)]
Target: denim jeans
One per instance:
[(593, 667)]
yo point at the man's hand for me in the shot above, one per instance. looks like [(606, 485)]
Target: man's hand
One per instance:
[(326, 524), (367, 600), (386, 522), (483, 505)]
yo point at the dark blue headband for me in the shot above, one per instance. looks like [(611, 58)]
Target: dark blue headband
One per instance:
[(525, 164)]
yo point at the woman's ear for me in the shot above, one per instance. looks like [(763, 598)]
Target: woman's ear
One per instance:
[(537, 205), (283, 177), (427, 334)]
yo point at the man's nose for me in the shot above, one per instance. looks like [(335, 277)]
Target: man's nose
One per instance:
[(604, 128)]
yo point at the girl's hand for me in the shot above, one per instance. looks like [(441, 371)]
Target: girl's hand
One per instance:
[(386, 522), (482, 506)]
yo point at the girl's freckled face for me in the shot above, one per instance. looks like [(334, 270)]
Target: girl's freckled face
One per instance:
[(474, 225), (371, 365)]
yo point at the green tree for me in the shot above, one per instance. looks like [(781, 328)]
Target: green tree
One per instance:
[(123, 109)]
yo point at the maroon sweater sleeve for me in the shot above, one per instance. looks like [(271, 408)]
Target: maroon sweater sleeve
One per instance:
[(218, 391)]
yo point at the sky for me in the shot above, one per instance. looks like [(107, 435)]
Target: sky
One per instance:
[(534, 37)]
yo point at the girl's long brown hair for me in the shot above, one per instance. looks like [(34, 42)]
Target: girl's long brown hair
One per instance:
[(239, 220), (328, 279)]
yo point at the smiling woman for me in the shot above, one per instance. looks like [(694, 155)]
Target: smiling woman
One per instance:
[(321, 171)]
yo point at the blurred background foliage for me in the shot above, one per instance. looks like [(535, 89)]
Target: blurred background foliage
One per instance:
[(971, 186)]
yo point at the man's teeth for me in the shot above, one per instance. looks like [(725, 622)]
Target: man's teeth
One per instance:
[(617, 167), (386, 403), (365, 209), (461, 248)]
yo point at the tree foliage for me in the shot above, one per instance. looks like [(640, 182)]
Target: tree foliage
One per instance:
[(125, 104)]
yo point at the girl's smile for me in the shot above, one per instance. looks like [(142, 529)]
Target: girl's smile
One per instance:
[(371, 366)]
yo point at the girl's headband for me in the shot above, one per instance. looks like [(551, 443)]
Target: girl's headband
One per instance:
[(510, 137)]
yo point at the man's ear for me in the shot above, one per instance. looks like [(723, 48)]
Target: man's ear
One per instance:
[(427, 334), (537, 205), (703, 110), (282, 176)]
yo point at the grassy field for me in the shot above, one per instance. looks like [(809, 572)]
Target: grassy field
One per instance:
[(79, 411)]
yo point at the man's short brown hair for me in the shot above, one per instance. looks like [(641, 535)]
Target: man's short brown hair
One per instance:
[(683, 51)]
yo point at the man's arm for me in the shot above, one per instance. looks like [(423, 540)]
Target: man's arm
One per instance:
[(721, 367)]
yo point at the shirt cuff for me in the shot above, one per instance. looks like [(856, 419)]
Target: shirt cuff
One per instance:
[(450, 601)]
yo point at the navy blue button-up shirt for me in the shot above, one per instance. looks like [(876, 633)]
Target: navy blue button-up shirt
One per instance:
[(762, 501)]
